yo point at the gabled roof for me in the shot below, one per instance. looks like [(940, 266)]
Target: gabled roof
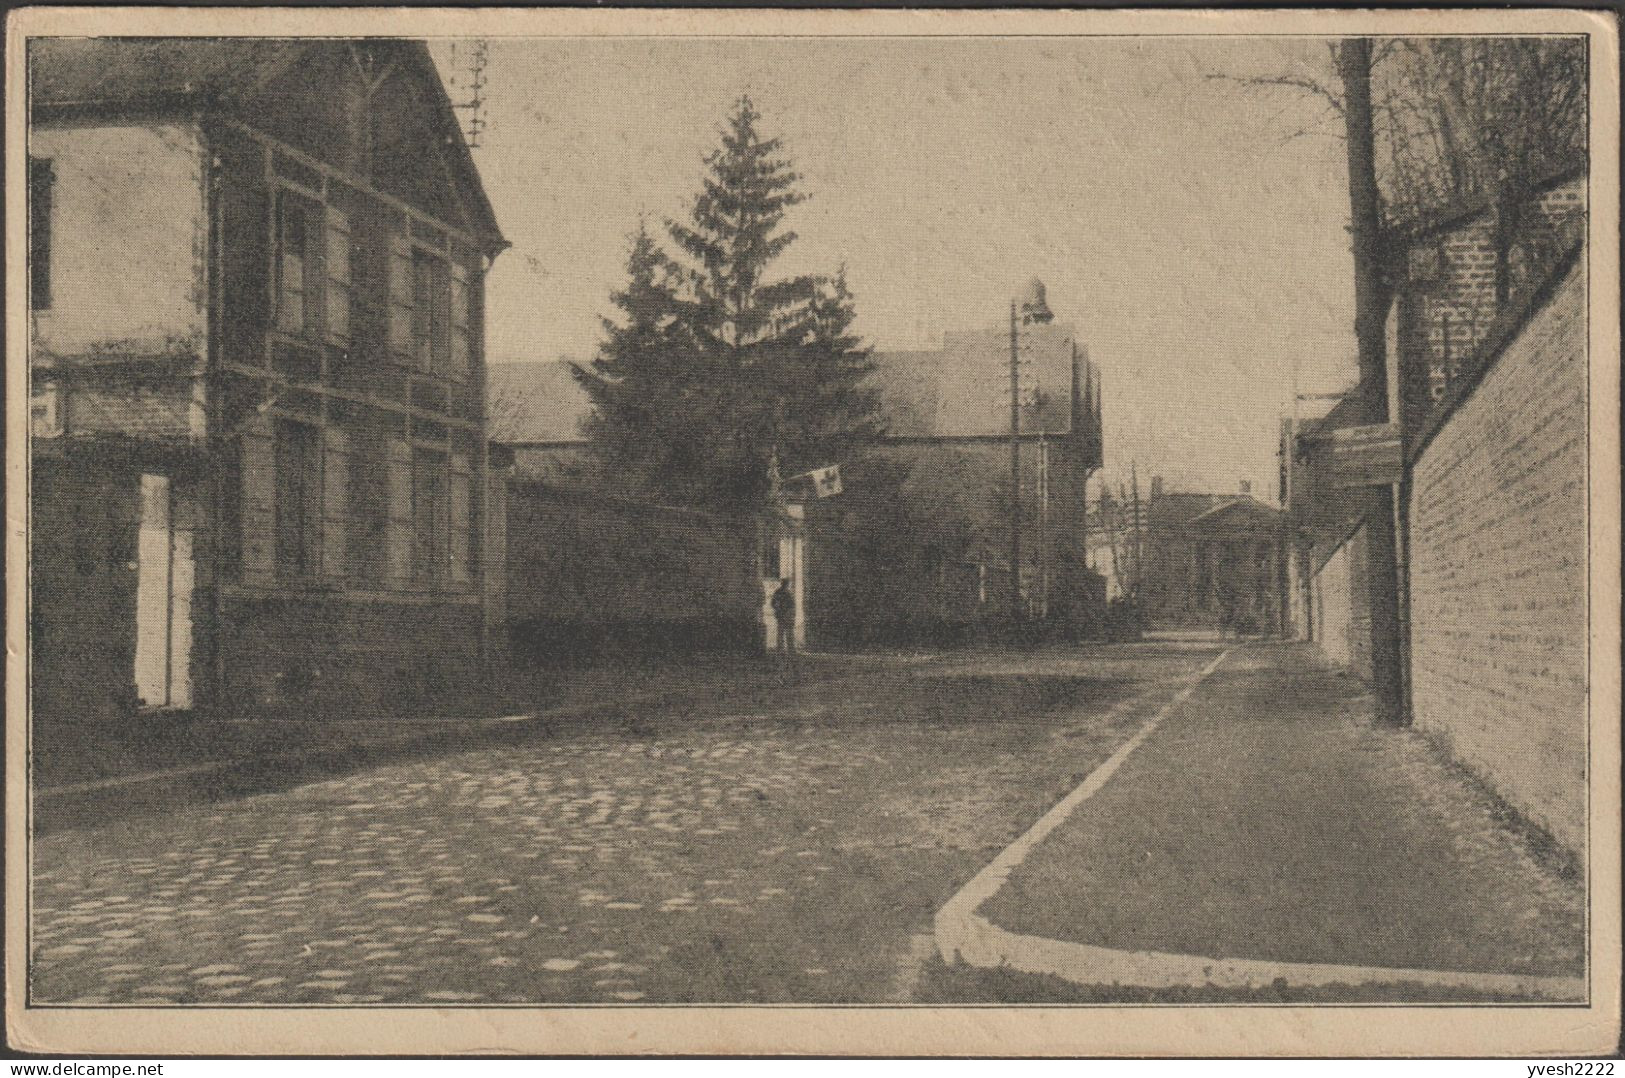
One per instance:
[(137, 72), (1176, 508), (535, 403), (1347, 412), (109, 75), (1245, 506), (1204, 510), (963, 388)]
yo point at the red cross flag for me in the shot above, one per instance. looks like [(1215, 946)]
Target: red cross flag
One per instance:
[(826, 482)]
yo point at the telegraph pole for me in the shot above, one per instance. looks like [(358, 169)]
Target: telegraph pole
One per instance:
[(1371, 302), (1015, 470)]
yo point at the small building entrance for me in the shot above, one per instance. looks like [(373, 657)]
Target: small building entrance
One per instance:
[(163, 623)]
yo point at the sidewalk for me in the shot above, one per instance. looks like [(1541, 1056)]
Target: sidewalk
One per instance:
[(1266, 832)]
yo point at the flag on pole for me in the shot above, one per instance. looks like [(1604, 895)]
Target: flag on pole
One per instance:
[(826, 482)]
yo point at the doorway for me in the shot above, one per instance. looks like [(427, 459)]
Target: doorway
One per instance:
[(163, 623)]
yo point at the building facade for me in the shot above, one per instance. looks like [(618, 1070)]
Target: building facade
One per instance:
[(1214, 561), (923, 540), (261, 477)]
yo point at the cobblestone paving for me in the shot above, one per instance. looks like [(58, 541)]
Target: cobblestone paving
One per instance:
[(772, 853)]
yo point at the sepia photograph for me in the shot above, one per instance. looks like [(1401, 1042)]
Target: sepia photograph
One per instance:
[(812, 532)]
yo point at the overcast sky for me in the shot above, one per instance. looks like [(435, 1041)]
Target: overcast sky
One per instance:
[(1201, 254)]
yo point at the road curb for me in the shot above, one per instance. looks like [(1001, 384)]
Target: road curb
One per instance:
[(978, 942), (959, 928)]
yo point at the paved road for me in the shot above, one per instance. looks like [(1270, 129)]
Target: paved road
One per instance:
[(752, 849)]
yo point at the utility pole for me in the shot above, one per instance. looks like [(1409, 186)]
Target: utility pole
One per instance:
[(1015, 470), (1043, 518), (1371, 301), (1088, 410), (1139, 522)]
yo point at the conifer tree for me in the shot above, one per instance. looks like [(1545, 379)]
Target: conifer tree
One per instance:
[(720, 367), (830, 411), (644, 383)]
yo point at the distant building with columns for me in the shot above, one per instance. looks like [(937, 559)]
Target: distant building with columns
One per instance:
[(1214, 561)]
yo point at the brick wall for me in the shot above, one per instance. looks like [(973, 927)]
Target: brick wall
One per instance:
[(346, 652), (1454, 268), (121, 402), (587, 571), (1498, 572)]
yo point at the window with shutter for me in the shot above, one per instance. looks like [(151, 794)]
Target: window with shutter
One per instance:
[(423, 308), (259, 500), (440, 322), (298, 499), (369, 506), (399, 531), (41, 192), (402, 287), (335, 501), (430, 516), (459, 320), (290, 265), (460, 516), (339, 278)]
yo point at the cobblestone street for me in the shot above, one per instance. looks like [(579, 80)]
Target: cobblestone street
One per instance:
[(746, 851)]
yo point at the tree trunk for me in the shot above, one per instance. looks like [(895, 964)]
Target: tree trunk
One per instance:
[(1371, 302)]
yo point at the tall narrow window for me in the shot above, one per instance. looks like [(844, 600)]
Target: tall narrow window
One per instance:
[(339, 245), (41, 191), (231, 509), (402, 291), (297, 308), (298, 499), (440, 318), (431, 515), (422, 308), (369, 506), (432, 313), (460, 294)]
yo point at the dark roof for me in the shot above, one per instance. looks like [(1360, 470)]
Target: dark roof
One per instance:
[(1347, 412), (151, 71), (1244, 506), (963, 388), (111, 74), (535, 403), (1180, 508)]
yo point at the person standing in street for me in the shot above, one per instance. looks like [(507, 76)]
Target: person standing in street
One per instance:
[(783, 603)]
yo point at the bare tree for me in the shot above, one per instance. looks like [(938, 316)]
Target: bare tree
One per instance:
[(1467, 121), (1456, 121)]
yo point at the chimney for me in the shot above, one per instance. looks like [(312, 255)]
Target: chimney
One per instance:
[(1156, 487), (1246, 488)]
